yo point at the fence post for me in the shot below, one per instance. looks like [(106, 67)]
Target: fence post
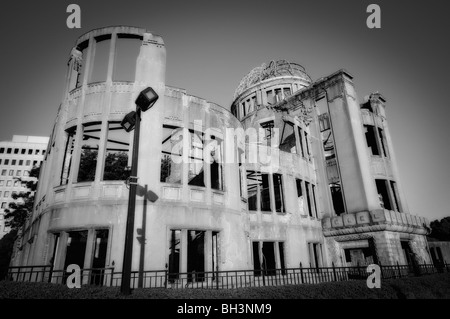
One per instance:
[(399, 272), (334, 271), (166, 275), (381, 270), (301, 272), (217, 276), (112, 276)]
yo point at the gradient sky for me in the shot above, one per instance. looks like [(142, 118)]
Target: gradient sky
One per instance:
[(211, 45)]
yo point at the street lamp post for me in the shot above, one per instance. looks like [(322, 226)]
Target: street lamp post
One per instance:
[(131, 121)]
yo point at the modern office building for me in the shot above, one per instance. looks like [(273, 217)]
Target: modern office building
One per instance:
[(17, 158), (295, 171)]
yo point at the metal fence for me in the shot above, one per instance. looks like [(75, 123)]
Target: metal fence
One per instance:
[(221, 279)]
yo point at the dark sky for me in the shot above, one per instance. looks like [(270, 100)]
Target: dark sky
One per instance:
[(211, 45)]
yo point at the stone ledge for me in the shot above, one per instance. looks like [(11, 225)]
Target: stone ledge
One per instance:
[(376, 220)]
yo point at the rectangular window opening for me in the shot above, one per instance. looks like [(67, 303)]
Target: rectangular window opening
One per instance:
[(171, 157), (89, 152), (278, 191), (117, 153), (371, 139)]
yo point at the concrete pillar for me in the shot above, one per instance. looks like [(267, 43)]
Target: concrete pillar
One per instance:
[(358, 187), (276, 248), (88, 256), (208, 251), (184, 249)]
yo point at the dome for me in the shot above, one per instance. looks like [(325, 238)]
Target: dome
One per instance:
[(272, 70)]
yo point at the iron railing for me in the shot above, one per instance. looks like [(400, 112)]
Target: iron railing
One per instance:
[(220, 279)]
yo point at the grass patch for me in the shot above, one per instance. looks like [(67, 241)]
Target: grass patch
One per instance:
[(435, 286)]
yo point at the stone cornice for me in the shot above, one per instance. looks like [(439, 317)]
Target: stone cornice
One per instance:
[(374, 221)]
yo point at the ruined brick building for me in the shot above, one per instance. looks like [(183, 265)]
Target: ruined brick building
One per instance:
[(317, 184)]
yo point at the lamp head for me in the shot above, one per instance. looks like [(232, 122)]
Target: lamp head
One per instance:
[(146, 99), (129, 121)]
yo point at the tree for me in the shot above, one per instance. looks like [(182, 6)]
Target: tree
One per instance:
[(116, 167), (18, 211), (88, 163), (6, 248), (440, 230)]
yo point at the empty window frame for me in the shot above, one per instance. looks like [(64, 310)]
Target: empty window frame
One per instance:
[(278, 192), (249, 105), (89, 152), (258, 187), (174, 254), (383, 193), (241, 159), (127, 51), (196, 255), (253, 184), (216, 167), (278, 95), (13, 162), (11, 172), (196, 173), (267, 257), (200, 247), (308, 152), (383, 142), (313, 187), (171, 156), (99, 69), (8, 151), (20, 162), (2, 150), (337, 198), (117, 153), (288, 143), (265, 193), (268, 132), (23, 151), (6, 161), (371, 139), (81, 69), (324, 122), (270, 97), (286, 92), (68, 153), (300, 197), (308, 199), (315, 255), (16, 151), (76, 248), (30, 152), (255, 107), (394, 189), (243, 110)]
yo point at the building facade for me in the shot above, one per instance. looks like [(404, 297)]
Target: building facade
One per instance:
[(295, 172), (17, 158)]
